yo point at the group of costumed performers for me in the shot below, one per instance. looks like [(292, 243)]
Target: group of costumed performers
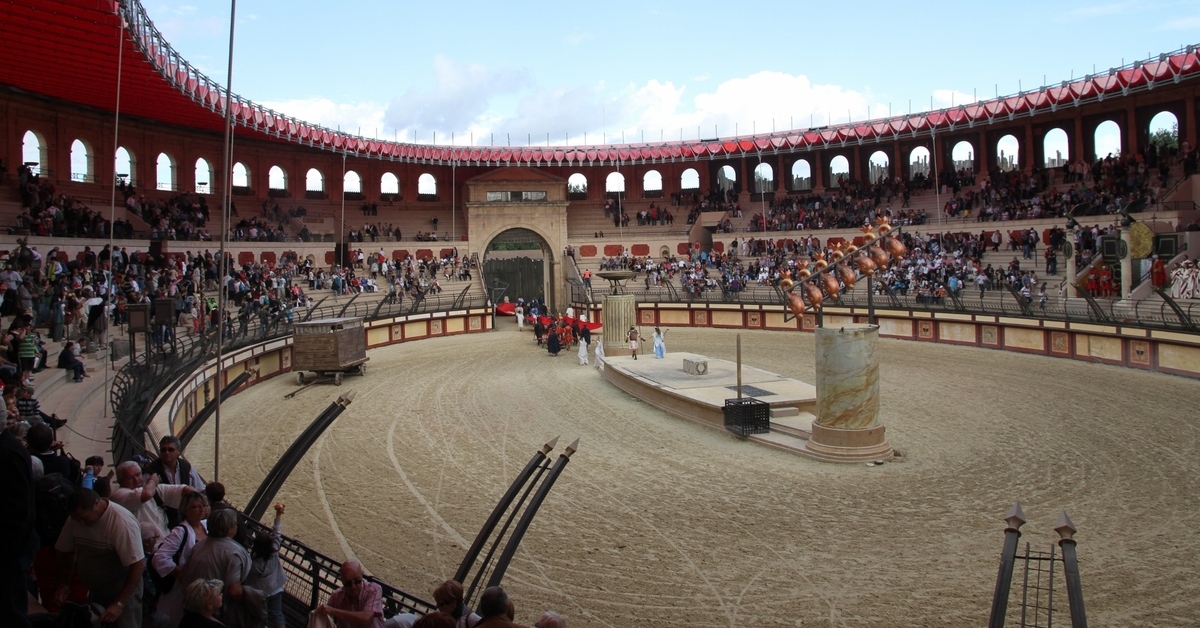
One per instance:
[(553, 333)]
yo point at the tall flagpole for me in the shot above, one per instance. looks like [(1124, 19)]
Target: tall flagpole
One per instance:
[(108, 296), (227, 195)]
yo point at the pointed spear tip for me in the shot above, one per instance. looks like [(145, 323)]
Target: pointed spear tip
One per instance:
[(1015, 517), (572, 448), (346, 398), (1064, 526), (550, 445)]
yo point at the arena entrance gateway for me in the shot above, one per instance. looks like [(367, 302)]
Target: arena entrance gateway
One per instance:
[(519, 217)]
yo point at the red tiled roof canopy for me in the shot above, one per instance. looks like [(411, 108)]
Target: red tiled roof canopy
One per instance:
[(68, 50)]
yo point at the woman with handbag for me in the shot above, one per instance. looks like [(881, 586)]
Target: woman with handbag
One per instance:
[(173, 553)]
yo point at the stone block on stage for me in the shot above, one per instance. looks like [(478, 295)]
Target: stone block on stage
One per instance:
[(695, 367)]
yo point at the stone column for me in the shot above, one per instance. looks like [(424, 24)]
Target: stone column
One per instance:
[(847, 428), (620, 313)]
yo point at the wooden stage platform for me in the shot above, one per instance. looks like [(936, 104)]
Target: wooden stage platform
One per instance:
[(701, 398)]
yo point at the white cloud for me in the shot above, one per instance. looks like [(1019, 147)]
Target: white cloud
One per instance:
[(946, 98), (460, 97), (1189, 23)]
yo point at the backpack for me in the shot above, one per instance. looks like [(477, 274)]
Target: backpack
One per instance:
[(50, 496)]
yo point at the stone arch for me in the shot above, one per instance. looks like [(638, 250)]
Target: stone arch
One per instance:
[(351, 183), (1056, 148), (33, 151), (652, 184), (689, 179), (1106, 139), (839, 166), (879, 167), (165, 176), (614, 183), (726, 178), (389, 184), (516, 274), (204, 176), (427, 185), (241, 175), (1163, 131), (1008, 153), (919, 162), (125, 165), (962, 155), (314, 181), (83, 161), (277, 178), (801, 175), (764, 178)]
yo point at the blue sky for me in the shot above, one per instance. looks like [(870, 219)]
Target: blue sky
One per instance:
[(521, 70)]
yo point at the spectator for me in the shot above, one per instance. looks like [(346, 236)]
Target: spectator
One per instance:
[(69, 360), (16, 528), (175, 550), (220, 557), (495, 608), (550, 619), (448, 597), (172, 468), (358, 603), (103, 541), (266, 572), (201, 602)]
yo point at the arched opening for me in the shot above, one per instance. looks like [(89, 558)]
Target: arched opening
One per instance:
[(427, 185), (726, 178), (918, 163), (389, 184), (1164, 131), (614, 183), (764, 178), (203, 177), (801, 175), (125, 166), (517, 258), (880, 167), (164, 173), (689, 180), (577, 186), (1107, 140), (652, 185), (1008, 154), (33, 151), (241, 175), (963, 156), (352, 183), (1056, 148), (839, 168), (276, 178), (81, 163), (314, 181)]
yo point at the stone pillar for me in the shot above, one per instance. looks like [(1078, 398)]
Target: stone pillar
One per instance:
[(620, 313), (847, 428)]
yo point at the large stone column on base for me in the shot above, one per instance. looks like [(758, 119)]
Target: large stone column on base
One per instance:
[(620, 313), (847, 428)]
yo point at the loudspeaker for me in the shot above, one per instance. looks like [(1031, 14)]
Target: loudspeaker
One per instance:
[(139, 318), (164, 312)]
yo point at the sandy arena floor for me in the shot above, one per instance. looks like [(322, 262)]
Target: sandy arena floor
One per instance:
[(660, 522)]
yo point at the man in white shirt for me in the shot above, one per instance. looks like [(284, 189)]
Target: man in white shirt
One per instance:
[(137, 493), (103, 542)]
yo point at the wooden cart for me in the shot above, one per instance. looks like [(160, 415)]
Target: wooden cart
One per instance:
[(331, 348)]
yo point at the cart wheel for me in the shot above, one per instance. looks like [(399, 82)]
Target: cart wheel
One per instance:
[(337, 378), (362, 369), (300, 378)]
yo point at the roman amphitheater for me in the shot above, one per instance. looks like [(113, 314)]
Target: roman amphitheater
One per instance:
[(1085, 403)]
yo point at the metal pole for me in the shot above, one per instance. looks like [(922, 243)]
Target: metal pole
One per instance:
[(1015, 519), (937, 188), (113, 217), (221, 289), (739, 366), (1066, 530), (342, 236), (871, 299)]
